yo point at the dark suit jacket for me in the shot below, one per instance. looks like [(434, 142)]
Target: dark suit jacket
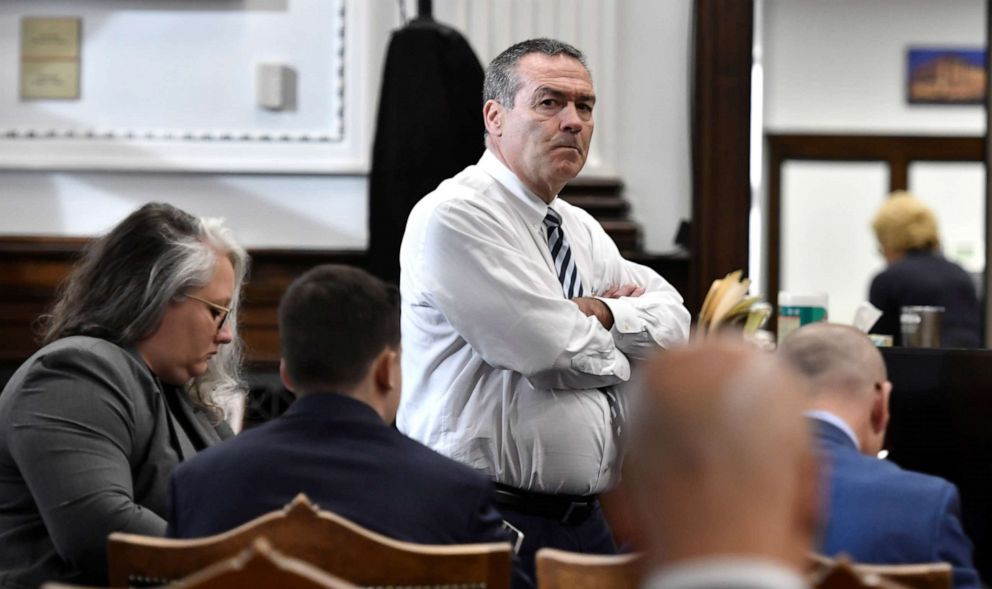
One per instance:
[(339, 452), (86, 448), (879, 513), (922, 278), (429, 128)]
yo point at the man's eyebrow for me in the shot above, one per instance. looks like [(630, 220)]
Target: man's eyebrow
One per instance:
[(554, 92)]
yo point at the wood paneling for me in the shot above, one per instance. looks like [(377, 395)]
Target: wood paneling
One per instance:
[(721, 130), (986, 141), (31, 269)]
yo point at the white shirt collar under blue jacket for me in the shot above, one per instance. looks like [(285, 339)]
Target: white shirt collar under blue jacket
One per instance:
[(836, 422)]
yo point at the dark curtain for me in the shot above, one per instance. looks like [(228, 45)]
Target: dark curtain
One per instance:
[(429, 128)]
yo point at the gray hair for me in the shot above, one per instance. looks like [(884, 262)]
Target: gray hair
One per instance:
[(121, 287), (502, 82)]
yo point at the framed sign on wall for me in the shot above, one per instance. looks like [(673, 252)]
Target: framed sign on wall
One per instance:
[(945, 75)]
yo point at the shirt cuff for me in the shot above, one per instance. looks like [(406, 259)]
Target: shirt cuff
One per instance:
[(625, 318)]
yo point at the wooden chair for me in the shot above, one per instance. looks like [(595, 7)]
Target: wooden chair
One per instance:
[(262, 567), (321, 538), (258, 567), (828, 573), (559, 569)]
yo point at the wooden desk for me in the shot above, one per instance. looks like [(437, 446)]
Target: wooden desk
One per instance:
[(942, 424)]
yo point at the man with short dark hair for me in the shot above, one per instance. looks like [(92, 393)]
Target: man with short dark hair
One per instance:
[(340, 337), (520, 315), (877, 512)]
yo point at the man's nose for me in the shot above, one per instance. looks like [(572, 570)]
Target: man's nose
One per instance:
[(570, 119)]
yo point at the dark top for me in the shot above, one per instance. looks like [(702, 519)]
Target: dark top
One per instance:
[(86, 448), (340, 453), (878, 513), (924, 278)]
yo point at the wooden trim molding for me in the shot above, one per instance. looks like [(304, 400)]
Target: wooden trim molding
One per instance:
[(721, 129), (987, 144), (897, 151)]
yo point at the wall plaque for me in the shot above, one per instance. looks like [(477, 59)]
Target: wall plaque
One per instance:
[(50, 58)]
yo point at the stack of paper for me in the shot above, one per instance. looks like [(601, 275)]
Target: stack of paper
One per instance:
[(727, 303)]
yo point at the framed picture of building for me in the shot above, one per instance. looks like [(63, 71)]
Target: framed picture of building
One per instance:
[(938, 75)]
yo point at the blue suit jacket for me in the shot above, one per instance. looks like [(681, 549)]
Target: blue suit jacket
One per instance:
[(881, 514)]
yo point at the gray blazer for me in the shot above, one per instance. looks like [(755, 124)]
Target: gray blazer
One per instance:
[(87, 446)]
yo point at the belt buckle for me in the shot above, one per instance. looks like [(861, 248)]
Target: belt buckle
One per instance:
[(578, 509)]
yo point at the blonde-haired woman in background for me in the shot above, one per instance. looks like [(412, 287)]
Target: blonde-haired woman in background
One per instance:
[(918, 274)]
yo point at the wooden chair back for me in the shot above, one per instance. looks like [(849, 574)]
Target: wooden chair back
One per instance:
[(560, 569), (262, 567), (258, 567), (828, 573), (324, 539)]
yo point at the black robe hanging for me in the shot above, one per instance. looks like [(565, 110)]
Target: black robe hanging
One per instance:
[(429, 128)]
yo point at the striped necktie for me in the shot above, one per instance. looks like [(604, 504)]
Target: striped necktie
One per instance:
[(571, 285), (568, 273)]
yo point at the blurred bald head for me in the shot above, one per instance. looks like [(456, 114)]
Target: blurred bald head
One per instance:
[(720, 459), (837, 359), (846, 376)]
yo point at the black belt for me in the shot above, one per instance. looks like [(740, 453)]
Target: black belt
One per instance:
[(570, 510)]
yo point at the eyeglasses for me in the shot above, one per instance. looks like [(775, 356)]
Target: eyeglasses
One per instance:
[(218, 312)]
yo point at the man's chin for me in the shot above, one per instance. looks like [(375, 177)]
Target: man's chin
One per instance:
[(570, 169)]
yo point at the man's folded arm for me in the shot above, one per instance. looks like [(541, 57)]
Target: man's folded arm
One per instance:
[(492, 293), (642, 324)]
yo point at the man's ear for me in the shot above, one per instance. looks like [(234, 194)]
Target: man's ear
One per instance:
[(880, 408), (492, 113), (386, 383), (385, 370), (284, 377)]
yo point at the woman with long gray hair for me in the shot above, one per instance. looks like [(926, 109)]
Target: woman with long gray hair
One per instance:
[(141, 350)]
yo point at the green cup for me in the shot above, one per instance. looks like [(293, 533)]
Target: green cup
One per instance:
[(796, 309)]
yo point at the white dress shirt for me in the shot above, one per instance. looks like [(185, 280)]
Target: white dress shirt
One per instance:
[(726, 573), (501, 372)]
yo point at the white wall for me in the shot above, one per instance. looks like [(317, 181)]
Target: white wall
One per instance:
[(295, 196), (832, 253), (132, 53), (840, 66), (655, 155), (284, 211)]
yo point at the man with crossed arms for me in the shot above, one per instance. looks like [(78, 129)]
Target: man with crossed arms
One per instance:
[(520, 316)]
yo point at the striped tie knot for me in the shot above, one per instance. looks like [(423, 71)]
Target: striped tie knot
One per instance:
[(552, 220)]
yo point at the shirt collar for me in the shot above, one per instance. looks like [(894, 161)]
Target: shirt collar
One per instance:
[(836, 422), (724, 571), (531, 206)]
